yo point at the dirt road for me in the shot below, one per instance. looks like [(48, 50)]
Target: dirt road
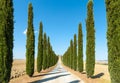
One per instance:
[(60, 75)]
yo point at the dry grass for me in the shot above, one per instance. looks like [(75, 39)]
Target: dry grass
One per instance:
[(18, 68), (101, 74), (18, 73)]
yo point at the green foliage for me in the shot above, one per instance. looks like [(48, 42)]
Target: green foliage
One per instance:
[(67, 57), (30, 43), (50, 57), (80, 49), (113, 39), (90, 46), (6, 39), (46, 56), (45, 52), (53, 57), (75, 53), (48, 53), (71, 54), (40, 49)]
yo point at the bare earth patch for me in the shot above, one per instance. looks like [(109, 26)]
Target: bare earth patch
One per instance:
[(18, 73), (101, 74)]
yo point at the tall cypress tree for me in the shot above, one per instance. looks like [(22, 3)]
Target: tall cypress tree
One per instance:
[(40, 49), (90, 48), (113, 39), (69, 57), (47, 60), (30, 43), (48, 53), (9, 33), (45, 52), (6, 39), (80, 49), (75, 53), (71, 53)]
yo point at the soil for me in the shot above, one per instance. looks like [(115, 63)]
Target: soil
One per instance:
[(101, 74)]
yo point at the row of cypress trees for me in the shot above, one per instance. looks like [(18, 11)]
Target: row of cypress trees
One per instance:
[(71, 57), (113, 30), (46, 56), (6, 43), (6, 39), (74, 60)]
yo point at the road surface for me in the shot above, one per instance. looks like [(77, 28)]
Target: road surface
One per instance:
[(59, 75)]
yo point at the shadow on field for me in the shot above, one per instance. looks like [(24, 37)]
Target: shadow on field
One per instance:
[(98, 75), (75, 81), (48, 79)]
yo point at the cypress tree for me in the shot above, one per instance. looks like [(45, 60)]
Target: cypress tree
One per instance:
[(30, 43), (40, 49), (90, 48), (71, 53), (47, 63), (9, 34), (69, 57), (80, 49), (75, 53), (51, 57), (6, 39), (113, 39), (45, 52), (48, 53)]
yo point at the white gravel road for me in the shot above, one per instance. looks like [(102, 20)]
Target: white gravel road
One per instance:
[(60, 75)]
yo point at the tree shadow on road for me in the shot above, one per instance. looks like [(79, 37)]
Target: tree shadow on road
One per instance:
[(75, 81), (98, 75), (45, 74), (49, 73), (48, 79)]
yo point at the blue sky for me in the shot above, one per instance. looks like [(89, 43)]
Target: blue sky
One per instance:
[(60, 20)]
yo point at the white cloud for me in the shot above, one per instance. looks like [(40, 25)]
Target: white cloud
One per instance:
[(25, 32)]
